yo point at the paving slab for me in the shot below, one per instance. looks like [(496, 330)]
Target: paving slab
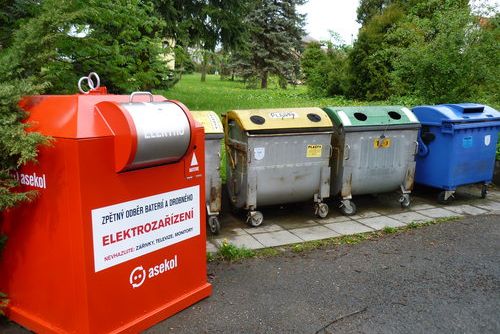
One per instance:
[(366, 214), (349, 227), (246, 241), (489, 205), (379, 223), (466, 209), (278, 238), (231, 231), (299, 222), (336, 219), (438, 213), (314, 233), (264, 228), (422, 207), (409, 217), (211, 248)]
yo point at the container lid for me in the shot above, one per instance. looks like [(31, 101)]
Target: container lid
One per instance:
[(281, 119), (210, 121), (455, 113), (370, 116)]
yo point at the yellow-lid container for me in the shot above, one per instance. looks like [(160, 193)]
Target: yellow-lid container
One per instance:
[(210, 121), (281, 119)]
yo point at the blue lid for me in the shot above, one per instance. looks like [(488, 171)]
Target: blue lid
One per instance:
[(451, 113)]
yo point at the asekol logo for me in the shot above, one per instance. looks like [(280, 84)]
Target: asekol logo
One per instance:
[(137, 277), (138, 274)]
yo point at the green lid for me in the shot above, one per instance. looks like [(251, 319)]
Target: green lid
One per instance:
[(371, 116)]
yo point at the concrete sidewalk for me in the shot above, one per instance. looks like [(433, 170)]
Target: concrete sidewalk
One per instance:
[(297, 223)]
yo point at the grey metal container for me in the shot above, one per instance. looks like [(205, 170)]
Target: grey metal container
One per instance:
[(277, 156), (374, 152), (214, 132)]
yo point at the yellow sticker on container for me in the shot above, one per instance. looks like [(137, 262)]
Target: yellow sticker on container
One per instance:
[(382, 143), (386, 142), (314, 151)]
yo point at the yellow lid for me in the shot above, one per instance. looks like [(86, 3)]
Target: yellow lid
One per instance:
[(283, 118), (210, 121)]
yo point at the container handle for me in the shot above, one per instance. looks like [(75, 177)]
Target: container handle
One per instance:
[(331, 151), (347, 151), (423, 149), (90, 83), (416, 147), (131, 98), (228, 152)]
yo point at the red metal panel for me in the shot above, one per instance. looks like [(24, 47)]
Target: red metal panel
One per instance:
[(54, 266)]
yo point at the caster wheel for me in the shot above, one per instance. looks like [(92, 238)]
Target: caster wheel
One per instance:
[(214, 225), (442, 198), (348, 208), (255, 218), (484, 191), (405, 201), (321, 210)]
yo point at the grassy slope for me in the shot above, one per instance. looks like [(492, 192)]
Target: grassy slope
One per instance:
[(221, 96)]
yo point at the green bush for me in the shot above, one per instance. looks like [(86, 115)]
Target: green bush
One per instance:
[(325, 71)]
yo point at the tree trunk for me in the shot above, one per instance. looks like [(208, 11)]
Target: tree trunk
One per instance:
[(263, 82), (204, 63)]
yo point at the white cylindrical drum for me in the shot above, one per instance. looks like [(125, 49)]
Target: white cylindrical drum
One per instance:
[(163, 133)]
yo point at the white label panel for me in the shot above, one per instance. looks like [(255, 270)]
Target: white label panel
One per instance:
[(127, 230), (283, 114)]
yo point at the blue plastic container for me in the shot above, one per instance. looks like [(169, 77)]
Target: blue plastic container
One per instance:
[(457, 146)]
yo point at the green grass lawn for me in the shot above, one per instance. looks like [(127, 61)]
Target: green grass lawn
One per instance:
[(224, 95)]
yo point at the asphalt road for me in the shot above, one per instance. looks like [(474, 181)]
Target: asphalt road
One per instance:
[(438, 279)]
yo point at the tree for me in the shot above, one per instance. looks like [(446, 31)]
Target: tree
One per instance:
[(378, 47), (311, 57), (448, 56), (12, 14), (66, 39), (326, 71), (370, 61), (204, 24), (274, 41), (369, 8)]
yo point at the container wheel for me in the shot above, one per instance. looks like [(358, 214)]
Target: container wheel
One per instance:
[(405, 201), (214, 225), (348, 208), (255, 218), (321, 210), (484, 191), (442, 198)]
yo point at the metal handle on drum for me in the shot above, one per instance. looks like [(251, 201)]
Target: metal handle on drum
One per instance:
[(331, 151), (416, 147), (347, 152), (131, 98)]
